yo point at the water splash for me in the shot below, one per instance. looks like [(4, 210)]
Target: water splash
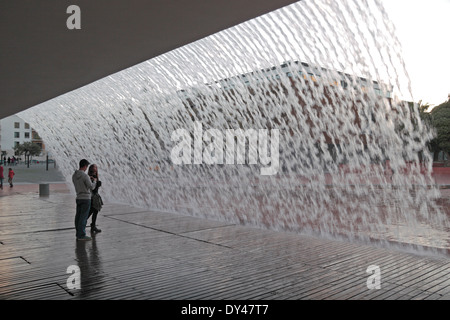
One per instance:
[(319, 72)]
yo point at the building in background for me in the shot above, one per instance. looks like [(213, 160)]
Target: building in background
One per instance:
[(14, 131), (35, 138)]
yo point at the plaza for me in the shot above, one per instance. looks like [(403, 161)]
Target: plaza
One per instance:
[(142, 254)]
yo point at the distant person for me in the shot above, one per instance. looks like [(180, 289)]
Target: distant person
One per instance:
[(9, 160), (1, 177), (10, 177), (83, 187), (96, 199)]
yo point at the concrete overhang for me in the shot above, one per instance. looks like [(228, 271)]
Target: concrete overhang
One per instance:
[(41, 58)]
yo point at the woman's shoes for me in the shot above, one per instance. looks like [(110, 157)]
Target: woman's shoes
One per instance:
[(95, 229)]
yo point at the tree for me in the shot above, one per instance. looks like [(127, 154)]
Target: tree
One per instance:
[(440, 120), (424, 113), (27, 149)]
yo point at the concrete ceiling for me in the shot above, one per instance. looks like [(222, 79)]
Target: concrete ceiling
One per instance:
[(40, 58)]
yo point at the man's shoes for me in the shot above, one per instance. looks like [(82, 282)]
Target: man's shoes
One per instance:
[(85, 238)]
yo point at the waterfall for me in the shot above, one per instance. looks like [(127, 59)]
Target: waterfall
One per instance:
[(326, 76)]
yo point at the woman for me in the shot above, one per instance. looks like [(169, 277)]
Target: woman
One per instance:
[(96, 200)]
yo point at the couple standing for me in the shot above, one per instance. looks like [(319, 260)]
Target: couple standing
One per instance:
[(88, 200)]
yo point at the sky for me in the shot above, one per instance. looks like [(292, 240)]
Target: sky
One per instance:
[(423, 29)]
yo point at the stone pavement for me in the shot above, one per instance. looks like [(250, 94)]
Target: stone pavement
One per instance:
[(142, 254), (35, 173)]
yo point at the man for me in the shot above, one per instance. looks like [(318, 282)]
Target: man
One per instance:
[(83, 187)]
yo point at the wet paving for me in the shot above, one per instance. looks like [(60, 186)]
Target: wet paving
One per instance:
[(142, 254)]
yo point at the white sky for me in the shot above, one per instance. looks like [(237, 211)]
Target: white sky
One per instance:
[(423, 29)]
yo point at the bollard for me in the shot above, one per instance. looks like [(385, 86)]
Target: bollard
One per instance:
[(44, 190)]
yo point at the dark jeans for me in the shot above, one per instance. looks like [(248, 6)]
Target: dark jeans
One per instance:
[(83, 207)]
